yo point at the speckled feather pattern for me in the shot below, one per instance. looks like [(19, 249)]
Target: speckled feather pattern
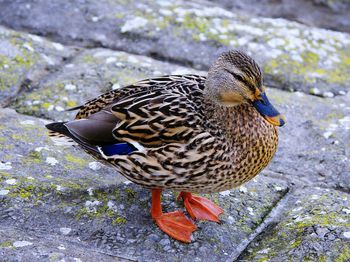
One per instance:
[(190, 143)]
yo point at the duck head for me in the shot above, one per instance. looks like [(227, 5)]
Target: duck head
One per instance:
[(234, 79)]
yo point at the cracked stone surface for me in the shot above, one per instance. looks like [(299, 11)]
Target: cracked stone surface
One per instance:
[(316, 228), (293, 56), (59, 204)]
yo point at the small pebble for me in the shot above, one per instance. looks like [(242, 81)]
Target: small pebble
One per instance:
[(58, 46), (61, 247), (243, 189), (346, 210), (328, 94), (164, 242), (51, 161), (4, 192), (95, 165), (225, 193), (153, 237), (11, 181), (5, 166), (27, 122), (166, 248), (65, 230), (21, 243), (70, 87)]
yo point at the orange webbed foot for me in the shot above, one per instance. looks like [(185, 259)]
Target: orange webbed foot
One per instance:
[(176, 225), (201, 208)]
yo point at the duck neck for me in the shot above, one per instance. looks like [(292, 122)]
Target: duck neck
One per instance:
[(236, 123)]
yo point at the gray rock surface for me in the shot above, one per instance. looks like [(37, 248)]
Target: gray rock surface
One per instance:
[(316, 228), (294, 56), (24, 59), (59, 204), (329, 14), (317, 137)]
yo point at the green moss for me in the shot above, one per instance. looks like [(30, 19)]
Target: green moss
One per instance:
[(75, 186), (101, 196), (71, 103), (344, 256), (76, 160), (5, 244), (46, 105), (34, 156), (263, 259), (23, 193), (130, 194), (119, 15), (198, 23), (339, 72), (89, 59), (323, 219), (23, 61), (119, 220), (309, 70), (296, 243), (310, 58), (117, 194), (16, 136), (4, 175)]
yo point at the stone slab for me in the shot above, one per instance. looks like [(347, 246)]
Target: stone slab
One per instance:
[(315, 228), (17, 245), (24, 59), (314, 144)]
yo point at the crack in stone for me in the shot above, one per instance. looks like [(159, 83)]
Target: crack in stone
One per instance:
[(270, 219)]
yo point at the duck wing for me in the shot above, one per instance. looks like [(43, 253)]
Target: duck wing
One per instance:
[(152, 115)]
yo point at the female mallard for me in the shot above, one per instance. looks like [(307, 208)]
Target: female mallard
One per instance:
[(183, 132)]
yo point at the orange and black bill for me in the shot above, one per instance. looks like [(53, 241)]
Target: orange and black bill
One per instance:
[(266, 109)]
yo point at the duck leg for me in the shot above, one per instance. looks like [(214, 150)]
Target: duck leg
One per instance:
[(200, 208), (175, 224)]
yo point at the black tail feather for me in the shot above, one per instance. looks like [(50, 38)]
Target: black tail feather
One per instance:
[(59, 128)]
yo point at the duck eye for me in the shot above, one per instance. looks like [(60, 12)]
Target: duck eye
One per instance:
[(239, 77)]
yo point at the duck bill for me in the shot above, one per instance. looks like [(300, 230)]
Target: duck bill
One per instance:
[(266, 109)]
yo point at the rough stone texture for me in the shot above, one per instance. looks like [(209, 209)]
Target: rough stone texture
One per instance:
[(53, 189), (314, 145), (293, 56), (24, 58), (86, 76), (317, 228), (41, 247), (329, 14)]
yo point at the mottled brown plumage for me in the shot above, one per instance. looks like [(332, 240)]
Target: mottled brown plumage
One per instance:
[(186, 132)]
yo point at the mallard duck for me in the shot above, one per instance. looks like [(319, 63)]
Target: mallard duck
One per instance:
[(189, 133)]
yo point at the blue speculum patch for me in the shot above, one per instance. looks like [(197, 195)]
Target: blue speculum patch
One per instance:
[(118, 149)]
